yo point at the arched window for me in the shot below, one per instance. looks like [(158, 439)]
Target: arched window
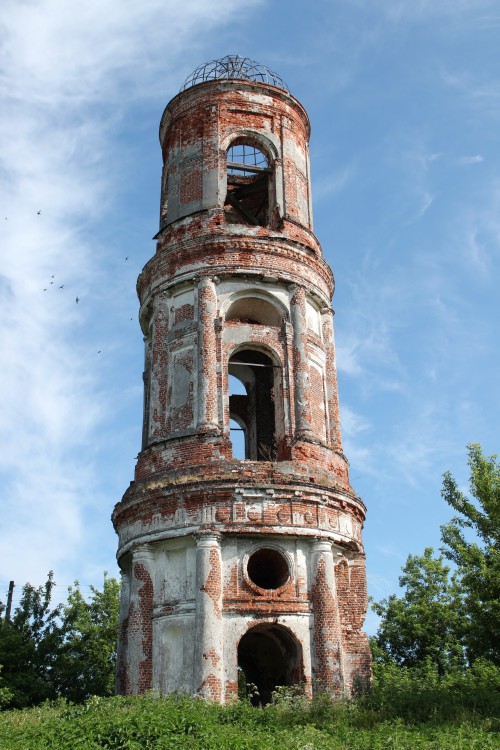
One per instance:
[(253, 408), (248, 184)]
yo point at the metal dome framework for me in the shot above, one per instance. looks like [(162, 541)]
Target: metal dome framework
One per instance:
[(234, 67)]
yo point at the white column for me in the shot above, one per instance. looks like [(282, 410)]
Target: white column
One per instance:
[(140, 622), (328, 672), (158, 369), (331, 380), (208, 646), (300, 362), (123, 621), (207, 355)]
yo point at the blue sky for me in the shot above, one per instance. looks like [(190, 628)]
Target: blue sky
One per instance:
[(404, 101)]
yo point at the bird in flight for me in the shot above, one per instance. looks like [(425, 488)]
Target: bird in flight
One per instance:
[(77, 300), (126, 259), (39, 212), (62, 286)]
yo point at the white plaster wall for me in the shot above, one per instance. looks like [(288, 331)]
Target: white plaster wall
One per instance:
[(174, 615), (175, 570), (313, 318), (182, 405), (173, 640)]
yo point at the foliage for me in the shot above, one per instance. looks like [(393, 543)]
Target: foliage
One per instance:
[(64, 650), (472, 541), (426, 623), (6, 694), (149, 722), (29, 646), (437, 650), (451, 620), (88, 658), (421, 693)]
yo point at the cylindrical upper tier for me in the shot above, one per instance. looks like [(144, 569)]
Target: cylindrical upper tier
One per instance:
[(236, 142)]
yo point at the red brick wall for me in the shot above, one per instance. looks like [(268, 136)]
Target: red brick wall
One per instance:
[(140, 621)]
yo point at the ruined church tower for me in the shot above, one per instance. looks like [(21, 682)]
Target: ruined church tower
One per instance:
[(240, 536)]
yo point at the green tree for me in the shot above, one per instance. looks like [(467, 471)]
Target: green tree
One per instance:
[(472, 541), (425, 624), (64, 650), (6, 694), (29, 646), (87, 664)]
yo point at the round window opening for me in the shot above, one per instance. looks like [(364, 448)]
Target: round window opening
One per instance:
[(268, 569)]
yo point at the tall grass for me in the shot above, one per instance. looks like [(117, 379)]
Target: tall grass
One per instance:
[(405, 709), (292, 722), (421, 694)]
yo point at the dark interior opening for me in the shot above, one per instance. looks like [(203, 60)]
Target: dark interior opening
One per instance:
[(268, 657), (255, 409), (247, 198), (268, 568)]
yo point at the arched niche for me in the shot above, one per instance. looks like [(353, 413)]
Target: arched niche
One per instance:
[(254, 309)]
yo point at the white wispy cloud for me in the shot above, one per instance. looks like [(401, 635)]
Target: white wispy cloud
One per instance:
[(352, 422), (480, 92), (426, 202), (420, 440), (466, 160), (423, 157), (331, 184), (366, 347), (357, 353), (412, 164), (401, 11), (477, 233)]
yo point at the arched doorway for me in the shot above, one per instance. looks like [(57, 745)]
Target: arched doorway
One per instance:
[(269, 656)]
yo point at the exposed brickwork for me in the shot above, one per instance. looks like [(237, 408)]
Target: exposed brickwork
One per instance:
[(122, 677), (186, 312), (242, 244), (191, 186), (140, 622), (211, 687), (212, 586), (318, 420), (326, 633)]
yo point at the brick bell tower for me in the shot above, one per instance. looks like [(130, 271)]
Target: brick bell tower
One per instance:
[(240, 536)]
